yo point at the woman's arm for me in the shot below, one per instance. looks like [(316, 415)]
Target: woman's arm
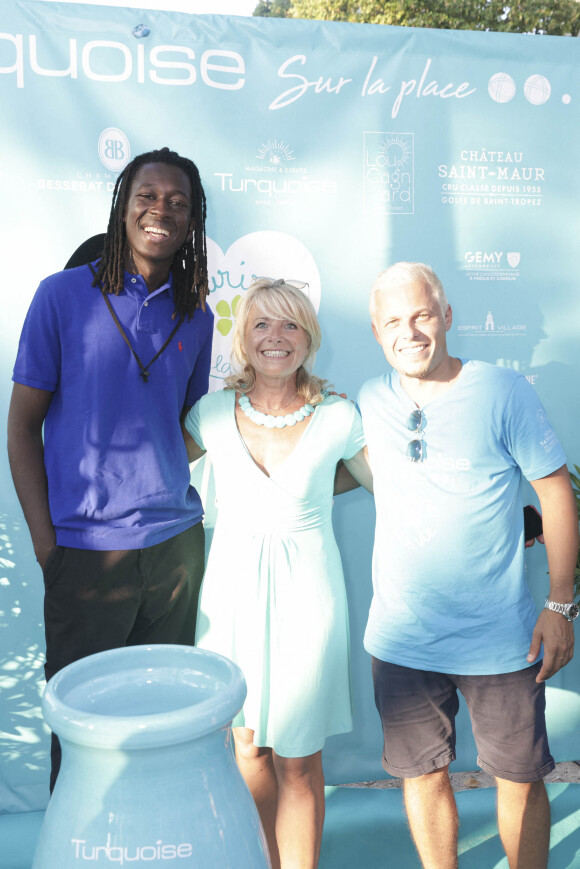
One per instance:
[(194, 451), (354, 472)]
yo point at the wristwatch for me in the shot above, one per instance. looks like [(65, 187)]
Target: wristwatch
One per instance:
[(570, 611)]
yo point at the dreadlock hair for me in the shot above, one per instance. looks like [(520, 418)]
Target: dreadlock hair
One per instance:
[(189, 268)]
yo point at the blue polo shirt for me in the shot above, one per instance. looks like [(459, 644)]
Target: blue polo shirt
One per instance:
[(118, 475)]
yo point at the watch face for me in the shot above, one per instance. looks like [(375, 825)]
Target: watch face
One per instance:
[(573, 611)]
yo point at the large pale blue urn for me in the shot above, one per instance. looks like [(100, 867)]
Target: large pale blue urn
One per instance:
[(148, 776)]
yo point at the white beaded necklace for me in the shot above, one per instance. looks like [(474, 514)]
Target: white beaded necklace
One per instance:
[(269, 420)]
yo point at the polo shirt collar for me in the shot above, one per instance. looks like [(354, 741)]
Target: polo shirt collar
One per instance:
[(135, 285)]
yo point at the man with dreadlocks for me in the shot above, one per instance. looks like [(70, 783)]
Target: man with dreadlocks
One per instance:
[(111, 356)]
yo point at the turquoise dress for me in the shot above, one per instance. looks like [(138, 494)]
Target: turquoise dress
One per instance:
[(273, 598)]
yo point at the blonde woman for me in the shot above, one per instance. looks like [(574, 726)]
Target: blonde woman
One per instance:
[(273, 598)]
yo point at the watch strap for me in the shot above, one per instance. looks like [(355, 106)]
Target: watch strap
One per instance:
[(570, 611)]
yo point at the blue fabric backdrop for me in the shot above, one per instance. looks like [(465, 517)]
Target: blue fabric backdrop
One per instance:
[(327, 151)]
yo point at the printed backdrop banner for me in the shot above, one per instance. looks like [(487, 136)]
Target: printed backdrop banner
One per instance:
[(327, 151)]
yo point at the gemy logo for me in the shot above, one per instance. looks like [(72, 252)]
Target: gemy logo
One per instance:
[(112, 61), (488, 259), (482, 258)]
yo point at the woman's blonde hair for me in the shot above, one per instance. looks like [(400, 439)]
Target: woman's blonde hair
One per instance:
[(280, 301)]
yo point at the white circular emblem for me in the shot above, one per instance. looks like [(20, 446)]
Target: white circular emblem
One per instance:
[(501, 87), (114, 149), (537, 89)]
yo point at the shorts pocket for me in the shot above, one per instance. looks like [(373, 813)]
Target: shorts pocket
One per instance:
[(52, 565)]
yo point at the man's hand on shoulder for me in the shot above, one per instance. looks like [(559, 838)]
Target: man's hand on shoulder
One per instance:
[(557, 635)]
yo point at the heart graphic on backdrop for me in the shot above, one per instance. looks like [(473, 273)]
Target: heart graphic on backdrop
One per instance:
[(258, 254)]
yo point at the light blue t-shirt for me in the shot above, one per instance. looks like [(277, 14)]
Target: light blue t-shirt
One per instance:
[(448, 562)]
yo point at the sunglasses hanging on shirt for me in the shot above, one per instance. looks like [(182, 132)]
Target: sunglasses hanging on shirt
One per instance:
[(417, 448)]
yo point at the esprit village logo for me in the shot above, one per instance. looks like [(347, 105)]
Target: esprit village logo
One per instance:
[(491, 327)]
